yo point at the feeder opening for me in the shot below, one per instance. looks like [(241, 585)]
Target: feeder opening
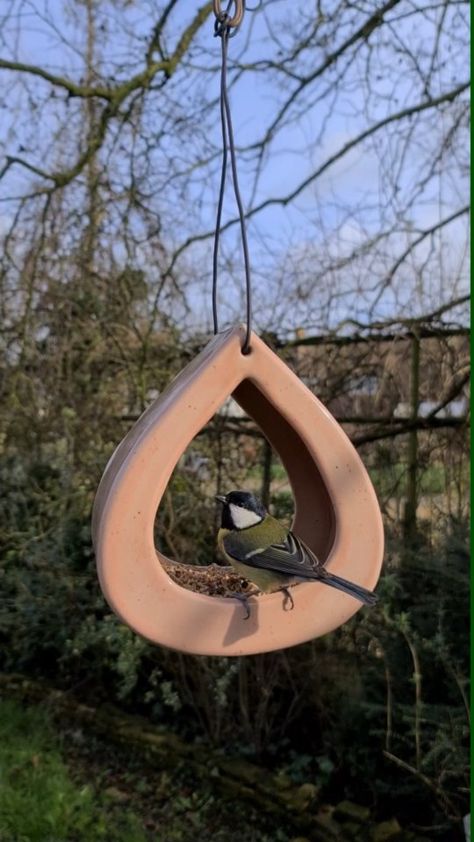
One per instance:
[(234, 451)]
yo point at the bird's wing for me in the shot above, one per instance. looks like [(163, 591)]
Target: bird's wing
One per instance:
[(290, 557)]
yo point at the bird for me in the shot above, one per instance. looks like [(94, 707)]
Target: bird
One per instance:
[(268, 554)]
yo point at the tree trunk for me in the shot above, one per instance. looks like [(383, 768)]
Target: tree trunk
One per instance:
[(410, 523), (267, 473)]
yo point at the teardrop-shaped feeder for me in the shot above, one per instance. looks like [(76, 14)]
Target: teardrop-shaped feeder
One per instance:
[(337, 513)]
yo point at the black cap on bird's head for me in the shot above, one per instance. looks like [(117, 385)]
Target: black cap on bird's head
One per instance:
[(241, 510)]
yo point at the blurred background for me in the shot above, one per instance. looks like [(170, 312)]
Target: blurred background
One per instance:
[(351, 125)]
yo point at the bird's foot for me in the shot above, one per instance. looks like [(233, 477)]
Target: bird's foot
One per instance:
[(288, 598), (244, 599)]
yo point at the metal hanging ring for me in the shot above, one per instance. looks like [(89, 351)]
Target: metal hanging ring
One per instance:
[(236, 20)]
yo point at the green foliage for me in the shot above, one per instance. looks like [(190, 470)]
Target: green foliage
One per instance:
[(378, 709), (351, 695), (390, 478), (408, 677), (44, 800), (39, 802)]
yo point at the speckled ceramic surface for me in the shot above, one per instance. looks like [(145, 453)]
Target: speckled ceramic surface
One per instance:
[(337, 513)]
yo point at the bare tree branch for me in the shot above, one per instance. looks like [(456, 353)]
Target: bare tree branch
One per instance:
[(403, 114), (361, 34), (74, 89), (427, 232), (115, 99), (422, 326)]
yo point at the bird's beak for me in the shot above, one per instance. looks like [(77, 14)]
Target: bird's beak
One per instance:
[(221, 498)]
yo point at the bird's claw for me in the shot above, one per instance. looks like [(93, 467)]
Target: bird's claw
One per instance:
[(244, 600), (288, 597)]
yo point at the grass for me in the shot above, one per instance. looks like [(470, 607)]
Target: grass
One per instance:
[(59, 783), (39, 801)]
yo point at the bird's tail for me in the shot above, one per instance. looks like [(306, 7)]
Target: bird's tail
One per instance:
[(357, 591)]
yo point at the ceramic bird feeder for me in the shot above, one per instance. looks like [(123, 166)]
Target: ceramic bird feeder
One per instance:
[(336, 510)]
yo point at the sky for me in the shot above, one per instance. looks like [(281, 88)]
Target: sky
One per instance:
[(342, 209)]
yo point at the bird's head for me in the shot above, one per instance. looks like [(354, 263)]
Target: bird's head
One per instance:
[(241, 510)]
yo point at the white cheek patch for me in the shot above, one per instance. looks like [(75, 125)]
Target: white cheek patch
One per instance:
[(243, 518)]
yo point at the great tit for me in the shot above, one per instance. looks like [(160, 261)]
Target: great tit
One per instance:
[(268, 554)]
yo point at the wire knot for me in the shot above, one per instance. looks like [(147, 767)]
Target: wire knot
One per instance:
[(222, 26), (224, 21)]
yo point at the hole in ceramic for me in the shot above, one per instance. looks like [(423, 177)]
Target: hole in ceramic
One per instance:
[(314, 520), (196, 475)]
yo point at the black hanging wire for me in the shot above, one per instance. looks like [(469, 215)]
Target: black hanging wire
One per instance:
[(222, 28)]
